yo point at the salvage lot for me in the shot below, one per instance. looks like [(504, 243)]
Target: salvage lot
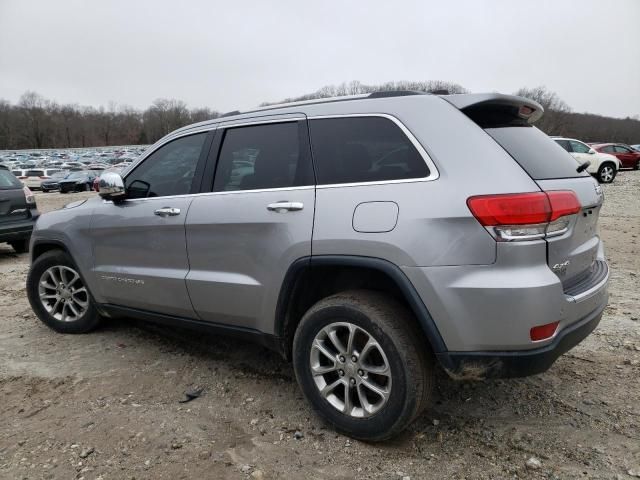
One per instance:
[(106, 405)]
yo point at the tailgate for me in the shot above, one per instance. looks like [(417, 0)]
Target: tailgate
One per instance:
[(573, 254), (13, 206)]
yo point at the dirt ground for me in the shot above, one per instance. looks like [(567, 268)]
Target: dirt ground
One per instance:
[(106, 405)]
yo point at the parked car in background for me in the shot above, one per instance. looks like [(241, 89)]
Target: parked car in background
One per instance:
[(389, 251), (53, 183), (97, 166), (35, 177), (81, 181), (18, 212), (629, 158), (601, 165), (72, 165), (636, 147)]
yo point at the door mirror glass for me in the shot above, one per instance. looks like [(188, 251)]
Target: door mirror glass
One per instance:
[(111, 186)]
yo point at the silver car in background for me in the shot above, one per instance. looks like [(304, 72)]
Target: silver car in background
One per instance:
[(367, 239)]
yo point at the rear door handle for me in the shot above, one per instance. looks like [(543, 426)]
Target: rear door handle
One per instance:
[(281, 207), (167, 212)]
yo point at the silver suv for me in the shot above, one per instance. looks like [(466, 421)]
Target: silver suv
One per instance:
[(367, 239)]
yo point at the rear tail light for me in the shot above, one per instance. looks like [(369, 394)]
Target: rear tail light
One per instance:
[(28, 195), (543, 332), (23, 177), (525, 216)]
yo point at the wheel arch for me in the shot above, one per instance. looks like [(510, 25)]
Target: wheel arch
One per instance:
[(305, 284)]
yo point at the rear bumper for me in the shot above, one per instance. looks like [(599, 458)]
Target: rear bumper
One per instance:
[(520, 363), (17, 230)]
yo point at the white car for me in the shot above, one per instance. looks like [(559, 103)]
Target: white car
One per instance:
[(33, 177), (601, 165)]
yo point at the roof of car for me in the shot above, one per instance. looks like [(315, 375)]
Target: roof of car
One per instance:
[(375, 102)]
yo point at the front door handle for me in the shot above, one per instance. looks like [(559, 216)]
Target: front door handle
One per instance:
[(281, 207), (167, 212)]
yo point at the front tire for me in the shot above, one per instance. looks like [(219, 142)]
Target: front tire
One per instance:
[(606, 173), (363, 364), (59, 296)]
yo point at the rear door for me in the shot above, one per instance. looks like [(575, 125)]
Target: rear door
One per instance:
[(243, 236), (13, 204)]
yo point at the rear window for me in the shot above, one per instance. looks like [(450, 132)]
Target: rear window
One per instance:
[(8, 181), (363, 149), (537, 154), (35, 173)]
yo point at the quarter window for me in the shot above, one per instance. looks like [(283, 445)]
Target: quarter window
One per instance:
[(167, 171), (363, 149), (620, 149), (263, 156)]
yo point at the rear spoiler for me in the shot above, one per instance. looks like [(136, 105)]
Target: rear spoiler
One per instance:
[(490, 110)]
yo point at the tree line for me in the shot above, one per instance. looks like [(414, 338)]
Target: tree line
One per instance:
[(36, 122)]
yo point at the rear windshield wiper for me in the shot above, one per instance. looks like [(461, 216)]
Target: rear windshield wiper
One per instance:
[(583, 166)]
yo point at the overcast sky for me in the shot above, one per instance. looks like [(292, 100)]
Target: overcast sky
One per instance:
[(236, 54)]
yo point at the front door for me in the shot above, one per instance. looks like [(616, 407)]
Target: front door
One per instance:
[(243, 236), (139, 247)]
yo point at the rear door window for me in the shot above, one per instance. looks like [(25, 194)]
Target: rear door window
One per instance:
[(536, 153), (363, 149), (263, 156)]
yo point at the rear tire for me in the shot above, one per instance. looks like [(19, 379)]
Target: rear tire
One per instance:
[(637, 167), (20, 246), (606, 173), (379, 390), (59, 296)]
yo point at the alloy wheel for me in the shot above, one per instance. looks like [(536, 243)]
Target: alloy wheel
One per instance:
[(606, 174), (350, 369), (62, 293)]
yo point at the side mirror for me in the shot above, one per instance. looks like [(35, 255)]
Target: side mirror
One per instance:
[(111, 186), (591, 151)]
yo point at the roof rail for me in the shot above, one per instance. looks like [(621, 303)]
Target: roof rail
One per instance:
[(394, 93), (229, 114)]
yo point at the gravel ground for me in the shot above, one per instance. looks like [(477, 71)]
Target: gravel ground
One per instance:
[(106, 405)]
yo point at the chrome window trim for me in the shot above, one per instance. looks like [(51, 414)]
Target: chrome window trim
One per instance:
[(434, 174), (433, 171), (230, 192)]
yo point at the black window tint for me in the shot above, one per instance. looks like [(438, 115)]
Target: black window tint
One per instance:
[(8, 181), (167, 171), (621, 149), (263, 156), (579, 147), (564, 144), (363, 149), (608, 149), (536, 153)]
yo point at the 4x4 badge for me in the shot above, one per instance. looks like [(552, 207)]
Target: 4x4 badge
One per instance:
[(561, 268)]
